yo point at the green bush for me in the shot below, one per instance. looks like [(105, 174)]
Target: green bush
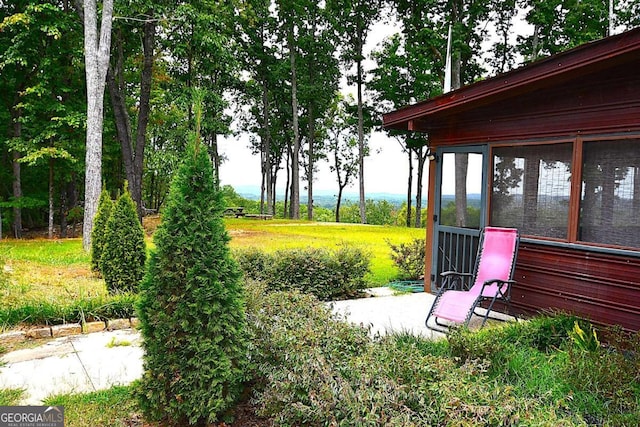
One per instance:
[(495, 344), (323, 273), (105, 206), (311, 369), (191, 306), (124, 251), (409, 258)]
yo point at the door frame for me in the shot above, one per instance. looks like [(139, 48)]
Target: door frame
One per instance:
[(439, 229)]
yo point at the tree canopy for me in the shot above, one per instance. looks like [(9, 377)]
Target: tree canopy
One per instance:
[(266, 70)]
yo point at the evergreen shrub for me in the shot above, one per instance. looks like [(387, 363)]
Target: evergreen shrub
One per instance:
[(124, 252), (191, 306), (105, 206), (320, 272)]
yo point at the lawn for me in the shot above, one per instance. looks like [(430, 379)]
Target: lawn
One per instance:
[(45, 274)]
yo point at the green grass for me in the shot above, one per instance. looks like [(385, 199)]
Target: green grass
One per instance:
[(10, 396), (106, 408), (66, 252)]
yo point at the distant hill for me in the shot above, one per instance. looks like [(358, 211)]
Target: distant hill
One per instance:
[(325, 198)]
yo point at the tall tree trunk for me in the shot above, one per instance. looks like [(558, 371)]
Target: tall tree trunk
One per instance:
[(311, 139), (50, 228), (295, 165), (361, 148), (421, 153), (266, 131), (144, 108), (409, 185), (133, 150), (339, 202), (17, 176), (461, 159), (96, 65), (461, 166), (215, 156), (287, 213), (17, 195)]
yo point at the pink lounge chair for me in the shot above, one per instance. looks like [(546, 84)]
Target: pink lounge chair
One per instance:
[(461, 293)]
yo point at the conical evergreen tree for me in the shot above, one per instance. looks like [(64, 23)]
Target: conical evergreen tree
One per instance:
[(124, 253), (105, 206), (191, 306)]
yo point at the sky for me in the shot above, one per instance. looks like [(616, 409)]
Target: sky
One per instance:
[(386, 169)]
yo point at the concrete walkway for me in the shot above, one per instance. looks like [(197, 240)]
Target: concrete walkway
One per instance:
[(85, 363), (74, 364)]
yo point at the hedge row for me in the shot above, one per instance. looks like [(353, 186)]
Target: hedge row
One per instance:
[(320, 272)]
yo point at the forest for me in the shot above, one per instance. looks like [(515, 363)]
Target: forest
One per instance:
[(270, 69)]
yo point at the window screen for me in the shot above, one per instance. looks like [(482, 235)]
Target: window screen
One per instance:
[(610, 198), (531, 188)]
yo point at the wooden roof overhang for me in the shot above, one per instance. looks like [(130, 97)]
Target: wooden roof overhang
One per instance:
[(477, 102)]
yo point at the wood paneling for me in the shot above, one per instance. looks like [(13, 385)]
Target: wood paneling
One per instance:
[(604, 288)]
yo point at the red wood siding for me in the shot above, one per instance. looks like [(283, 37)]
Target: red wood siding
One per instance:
[(602, 102), (604, 288)]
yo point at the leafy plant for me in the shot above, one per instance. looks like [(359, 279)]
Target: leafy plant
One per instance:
[(409, 258), (191, 306), (323, 273), (105, 206), (124, 252), (586, 341)]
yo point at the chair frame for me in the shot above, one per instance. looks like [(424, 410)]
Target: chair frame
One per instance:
[(453, 280)]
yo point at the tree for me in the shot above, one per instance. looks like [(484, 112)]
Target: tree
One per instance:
[(39, 46), (562, 24), (191, 306), (124, 251), (133, 146), (98, 239), (97, 48), (399, 79), (342, 146), (356, 17)]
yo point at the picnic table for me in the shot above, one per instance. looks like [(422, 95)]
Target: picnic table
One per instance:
[(237, 211), (259, 216)]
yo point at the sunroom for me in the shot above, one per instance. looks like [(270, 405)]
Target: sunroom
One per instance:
[(553, 149)]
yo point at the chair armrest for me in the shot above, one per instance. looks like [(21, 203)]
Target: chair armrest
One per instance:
[(501, 284), (452, 280), (455, 273)]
